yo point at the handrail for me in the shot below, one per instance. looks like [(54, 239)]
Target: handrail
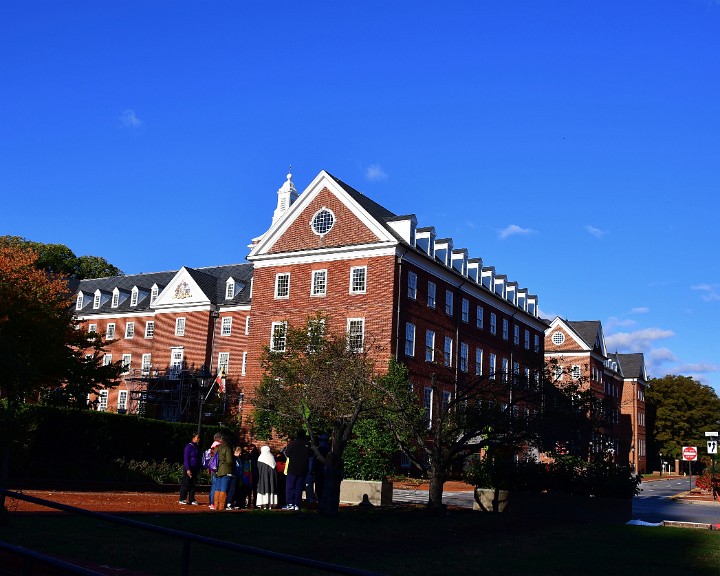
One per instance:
[(188, 538), (46, 560)]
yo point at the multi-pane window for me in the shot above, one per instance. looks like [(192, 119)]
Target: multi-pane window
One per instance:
[(180, 327), (412, 285), (527, 339), (176, 362), (282, 285), (316, 334), (480, 320), (478, 361), (107, 360), (505, 370), (154, 293), (146, 363), (449, 302), (115, 299), (429, 346), (243, 369), (126, 361), (149, 328), (129, 329), (319, 283), (575, 372), (96, 300), (230, 289), (358, 279), (493, 366), (463, 356), (92, 327), (223, 363), (226, 326), (356, 334), (431, 294), (103, 400), (447, 351), (409, 339), (122, 399), (110, 331), (516, 335), (428, 404), (493, 323), (505, 329), (134, 297), (465, 310), (536, 343), (79, 301), (641, 419), (278, 336), (247, 325)]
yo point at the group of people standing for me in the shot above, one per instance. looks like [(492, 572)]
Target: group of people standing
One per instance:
[(250, 478)]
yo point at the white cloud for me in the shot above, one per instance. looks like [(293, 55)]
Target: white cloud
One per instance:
[(514, 230), (595, 231), (697, 368), (640, 310), (710, 292), (637, 341), (658, 356), (375, 173), (130, 120)]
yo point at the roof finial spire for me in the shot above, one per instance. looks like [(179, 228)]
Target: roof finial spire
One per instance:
[(286, 196)]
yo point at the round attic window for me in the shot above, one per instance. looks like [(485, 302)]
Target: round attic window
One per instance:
[(323, 221), (558, 338)]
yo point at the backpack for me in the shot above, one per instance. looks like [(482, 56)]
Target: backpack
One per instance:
[(210, 460)]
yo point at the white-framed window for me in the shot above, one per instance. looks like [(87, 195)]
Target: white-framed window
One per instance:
[(446, 396), (575, 372), (92, 328), (429, 346), (243, 369), (179, 326), (247, 325), (356, 334), (558, 338), (505, 369), (96, 300), (505, 329), (134, 296), (316, 334), (146, 364), (358, 280), (149, 328), (224, 363), (79, 301), (412, 285), (126, 361), (428, 404), (516, 335), (282, 285), (110, 331), (122, 399), (527, 339), (536, 343), (465, 310), (480, 320), (641, 418), (229, 289), (103, 400), (409, 339), (464, 352), (449, 302), (318, 283), (432, 289), (226, 326), (129, 329), (322, 221), (558, 371), (115, 298), (493, 323), (278, 336), (154, 293), (493, 366), (447, 351), (107, 359), (478, 361), (176, 362)]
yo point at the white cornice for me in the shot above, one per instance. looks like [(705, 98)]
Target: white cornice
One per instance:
[(326, 255)]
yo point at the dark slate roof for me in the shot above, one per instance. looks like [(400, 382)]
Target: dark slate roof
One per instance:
[(632, 364), (211, 281), (378, 212), (587, 330)]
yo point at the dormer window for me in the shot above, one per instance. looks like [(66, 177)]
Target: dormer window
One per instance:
[(115, 298), (96, 300), (79, 301), (230, 289), (154, 293), (134, 296)]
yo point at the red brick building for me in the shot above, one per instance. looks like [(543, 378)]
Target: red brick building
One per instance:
[(374, 274)]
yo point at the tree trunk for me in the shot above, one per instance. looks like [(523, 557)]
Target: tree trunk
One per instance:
[(437, 481), (330, 502)]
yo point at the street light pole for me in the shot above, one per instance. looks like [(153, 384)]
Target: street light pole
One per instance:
[(205, 382)]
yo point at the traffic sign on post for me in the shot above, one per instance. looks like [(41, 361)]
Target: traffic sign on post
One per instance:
[(689, 453), (712, 446)]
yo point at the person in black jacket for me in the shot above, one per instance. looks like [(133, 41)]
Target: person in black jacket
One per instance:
[(191, 469), (297, 452)]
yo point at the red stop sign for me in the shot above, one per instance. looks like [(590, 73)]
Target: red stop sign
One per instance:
[(689, 453)]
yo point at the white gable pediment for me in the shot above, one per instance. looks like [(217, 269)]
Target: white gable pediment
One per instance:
[(264, 244), (561, 325), (181, 291)]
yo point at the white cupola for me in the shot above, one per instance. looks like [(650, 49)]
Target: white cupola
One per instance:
[(286, 196)]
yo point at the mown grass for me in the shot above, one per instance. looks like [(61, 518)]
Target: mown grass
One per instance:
[(397, 541)]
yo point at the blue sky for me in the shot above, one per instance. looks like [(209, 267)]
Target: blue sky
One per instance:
[(572, 145)]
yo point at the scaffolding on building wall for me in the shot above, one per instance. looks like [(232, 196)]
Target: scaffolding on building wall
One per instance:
[(164, 395)]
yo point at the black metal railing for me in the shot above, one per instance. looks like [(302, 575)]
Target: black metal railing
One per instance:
[(186, 539)]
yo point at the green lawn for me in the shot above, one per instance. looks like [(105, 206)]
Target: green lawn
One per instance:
[(401, 541)]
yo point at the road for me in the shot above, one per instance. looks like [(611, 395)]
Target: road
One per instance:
[(653, 504)]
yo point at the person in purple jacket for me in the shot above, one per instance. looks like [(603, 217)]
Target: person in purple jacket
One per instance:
[(191, 468)]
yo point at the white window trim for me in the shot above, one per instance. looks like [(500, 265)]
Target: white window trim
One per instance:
[(278, 277), (149, 328), (243, 370), (313, 282), (110, 331), (226, 326), (430, 346), (363, 290), (350, 335), (102, 401), (412, 286), (92, 328), (247, 325), (449, 302), (223, 363), (409, 339), (79, 301), (180, 325), (480, 321), (432, 295), (273, 327), (146, 363), (126, 363), (229, 289), (129, 329), (115, 298), (134, 295), (122, 399)]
